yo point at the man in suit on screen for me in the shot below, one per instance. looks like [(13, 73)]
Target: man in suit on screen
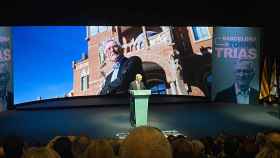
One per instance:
[(124, 69), (240, 91)]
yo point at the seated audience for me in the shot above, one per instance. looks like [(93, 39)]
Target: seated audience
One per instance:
[(208, 143), (116, 143), (145, 142), (170, 138), (13, 147), (217, 146), (271, 148), (79, 145), (63, 146), (260, 139), (198, 148), (41, 152), (182, 148), (99, 149), (230, 148), (248, 149), (2, 154)]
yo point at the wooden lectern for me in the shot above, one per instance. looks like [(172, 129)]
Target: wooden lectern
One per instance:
[(139, 106)]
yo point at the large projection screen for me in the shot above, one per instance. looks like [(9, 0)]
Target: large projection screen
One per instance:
[(69, 61)]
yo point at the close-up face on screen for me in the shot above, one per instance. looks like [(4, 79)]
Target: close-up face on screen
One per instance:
[(63, 61)]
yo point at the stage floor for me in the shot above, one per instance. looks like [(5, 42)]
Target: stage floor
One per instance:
[(193, 119)]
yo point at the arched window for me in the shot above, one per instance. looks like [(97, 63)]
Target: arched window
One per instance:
[(84, 79), (93, 30), (139, 41), (102, 28), (101, 53)]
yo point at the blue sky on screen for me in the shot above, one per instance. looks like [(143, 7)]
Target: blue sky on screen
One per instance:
[(42, 58)]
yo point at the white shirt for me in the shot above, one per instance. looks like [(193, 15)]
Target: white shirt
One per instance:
[(116, 68), (137, 85), (242, 97)]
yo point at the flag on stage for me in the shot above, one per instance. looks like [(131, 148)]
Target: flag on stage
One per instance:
[(264, 92), (273, 83)]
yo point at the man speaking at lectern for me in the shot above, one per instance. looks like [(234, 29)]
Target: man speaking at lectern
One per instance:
[(137, 84)]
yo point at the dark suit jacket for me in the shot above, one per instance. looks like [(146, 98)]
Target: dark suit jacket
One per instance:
[(133, 86), (129, 67), (9, 100), (228, 95)]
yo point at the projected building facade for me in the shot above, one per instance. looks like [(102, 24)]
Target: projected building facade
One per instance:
[(175, 59)]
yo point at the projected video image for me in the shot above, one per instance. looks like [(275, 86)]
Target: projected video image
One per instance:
[(235, 67), (104, 60)]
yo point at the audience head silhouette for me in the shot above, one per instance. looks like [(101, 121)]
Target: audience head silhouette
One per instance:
[(145, 142)]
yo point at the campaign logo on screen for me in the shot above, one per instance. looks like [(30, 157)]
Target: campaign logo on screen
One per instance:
[(235, 65), (236, 46)]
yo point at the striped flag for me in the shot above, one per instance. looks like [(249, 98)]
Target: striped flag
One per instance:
[(273, 83), (264, 91)]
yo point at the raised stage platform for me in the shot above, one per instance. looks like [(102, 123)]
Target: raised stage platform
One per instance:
[(104, 117), (106, 100)]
